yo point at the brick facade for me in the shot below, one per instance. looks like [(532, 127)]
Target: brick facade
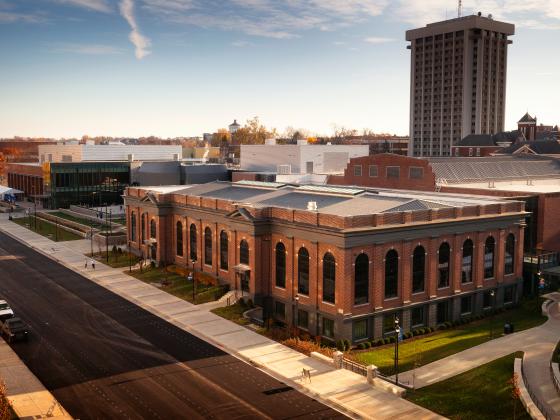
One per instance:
[(346, 238)]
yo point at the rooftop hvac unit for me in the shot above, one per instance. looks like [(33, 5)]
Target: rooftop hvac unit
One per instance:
[(284, 169), (312, 205), (131, 157)]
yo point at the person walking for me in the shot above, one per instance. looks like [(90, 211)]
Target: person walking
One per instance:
[(92, 262), (86, 264)]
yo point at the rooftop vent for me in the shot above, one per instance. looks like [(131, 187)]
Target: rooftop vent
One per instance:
[(312, 205)]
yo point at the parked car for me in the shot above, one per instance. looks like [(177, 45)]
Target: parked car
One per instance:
[(5, 311), (14, 329)]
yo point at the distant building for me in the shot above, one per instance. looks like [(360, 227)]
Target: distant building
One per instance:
[(457, 82), (56, 153), (527, 127), (300, 158)]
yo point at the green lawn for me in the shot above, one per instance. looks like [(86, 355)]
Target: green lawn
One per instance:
[(116, 260), (86, 222), (233, 313), (482, 393), (46, 229), (178, 286), (426, 349)]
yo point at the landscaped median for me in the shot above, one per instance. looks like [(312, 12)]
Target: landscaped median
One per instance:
[(173, 280), (451, 338), (46, 229)]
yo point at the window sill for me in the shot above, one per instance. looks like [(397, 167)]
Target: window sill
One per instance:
[(225, 270), (361, 305), (391, 298), (279, 287), (327, 303), (443, 287), (418, 293)]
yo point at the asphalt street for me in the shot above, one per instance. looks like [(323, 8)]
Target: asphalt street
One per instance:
[(104, 357)]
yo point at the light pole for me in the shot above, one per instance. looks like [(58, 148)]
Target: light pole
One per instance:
[(91, 238), (397, 335), (295, 317), (492, 302), (193, 261)]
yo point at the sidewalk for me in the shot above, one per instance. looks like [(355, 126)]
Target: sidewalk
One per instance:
[(538, 344), (28, 396), (342, 389)]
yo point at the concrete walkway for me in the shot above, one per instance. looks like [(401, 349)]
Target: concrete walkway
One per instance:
[(29, 398), (346, 391), (538, 344)]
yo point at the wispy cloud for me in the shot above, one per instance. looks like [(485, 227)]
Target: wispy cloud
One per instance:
[(267, 18), (85, 49), (14, 17), (96, 5), (140, 42), (378, 40), (240, 44)]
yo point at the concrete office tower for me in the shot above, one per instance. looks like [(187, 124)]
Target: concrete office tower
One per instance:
[(457, 82)]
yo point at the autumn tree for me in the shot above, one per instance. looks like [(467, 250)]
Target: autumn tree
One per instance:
[(253, 132), (5, 413)]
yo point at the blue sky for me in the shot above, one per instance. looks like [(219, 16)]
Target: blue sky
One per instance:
[(183, 67)]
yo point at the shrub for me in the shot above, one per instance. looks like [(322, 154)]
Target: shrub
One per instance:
[(340, 345), (361, 346), (347, 344), (422, 331), (391, 339), (407, 335), (367, 345), (442, 327), (250, 303), (374, 343)]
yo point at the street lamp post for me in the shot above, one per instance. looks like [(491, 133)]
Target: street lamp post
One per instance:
[(193, 261), (295, 317), (397, 335), (56, 229), (493, 303)]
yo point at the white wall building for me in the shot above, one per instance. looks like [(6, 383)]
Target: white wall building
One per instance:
[(55, 153), (301, 158)]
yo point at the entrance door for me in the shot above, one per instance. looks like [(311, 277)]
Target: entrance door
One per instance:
[(154, 252), (245, 282)]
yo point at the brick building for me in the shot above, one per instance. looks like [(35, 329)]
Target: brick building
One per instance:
[(338, 262)]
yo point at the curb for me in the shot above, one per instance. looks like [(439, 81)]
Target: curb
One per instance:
[(327, 401)]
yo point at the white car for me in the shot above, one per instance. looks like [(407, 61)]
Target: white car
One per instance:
[(5, 311)]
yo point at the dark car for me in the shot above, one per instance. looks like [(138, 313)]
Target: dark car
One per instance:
[(14, 329)]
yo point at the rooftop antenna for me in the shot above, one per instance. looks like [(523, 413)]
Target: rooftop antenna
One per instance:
[(459, 8)]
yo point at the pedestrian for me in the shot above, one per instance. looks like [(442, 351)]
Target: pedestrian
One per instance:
[(92, 262), (86, 264)]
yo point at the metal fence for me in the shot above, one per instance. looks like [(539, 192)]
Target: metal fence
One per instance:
[(354, 367)]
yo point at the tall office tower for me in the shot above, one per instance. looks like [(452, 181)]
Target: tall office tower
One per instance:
[(457, 82)]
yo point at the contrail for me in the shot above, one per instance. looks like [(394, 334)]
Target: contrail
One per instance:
[(140, 42)]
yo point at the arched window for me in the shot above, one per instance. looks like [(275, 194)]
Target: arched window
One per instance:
[(244, 252), (303, 271), (179, 239), (153, 229), (280, 265), (489, 246), (418, 269), (361, 279), (443, 265), (208, 246), (224, 250), (192, 242), (329, 277), (391, 274), (510, 254), (466, 268), (133, 227), (143, 226)]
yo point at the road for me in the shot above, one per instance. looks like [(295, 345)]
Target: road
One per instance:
[(104, 357)]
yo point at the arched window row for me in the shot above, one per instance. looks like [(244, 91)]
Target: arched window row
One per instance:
[(224, 247), (303, 271)]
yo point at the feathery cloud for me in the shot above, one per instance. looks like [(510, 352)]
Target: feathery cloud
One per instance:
[(378, 40), (140, 42), (86, 49), (96, 5)]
